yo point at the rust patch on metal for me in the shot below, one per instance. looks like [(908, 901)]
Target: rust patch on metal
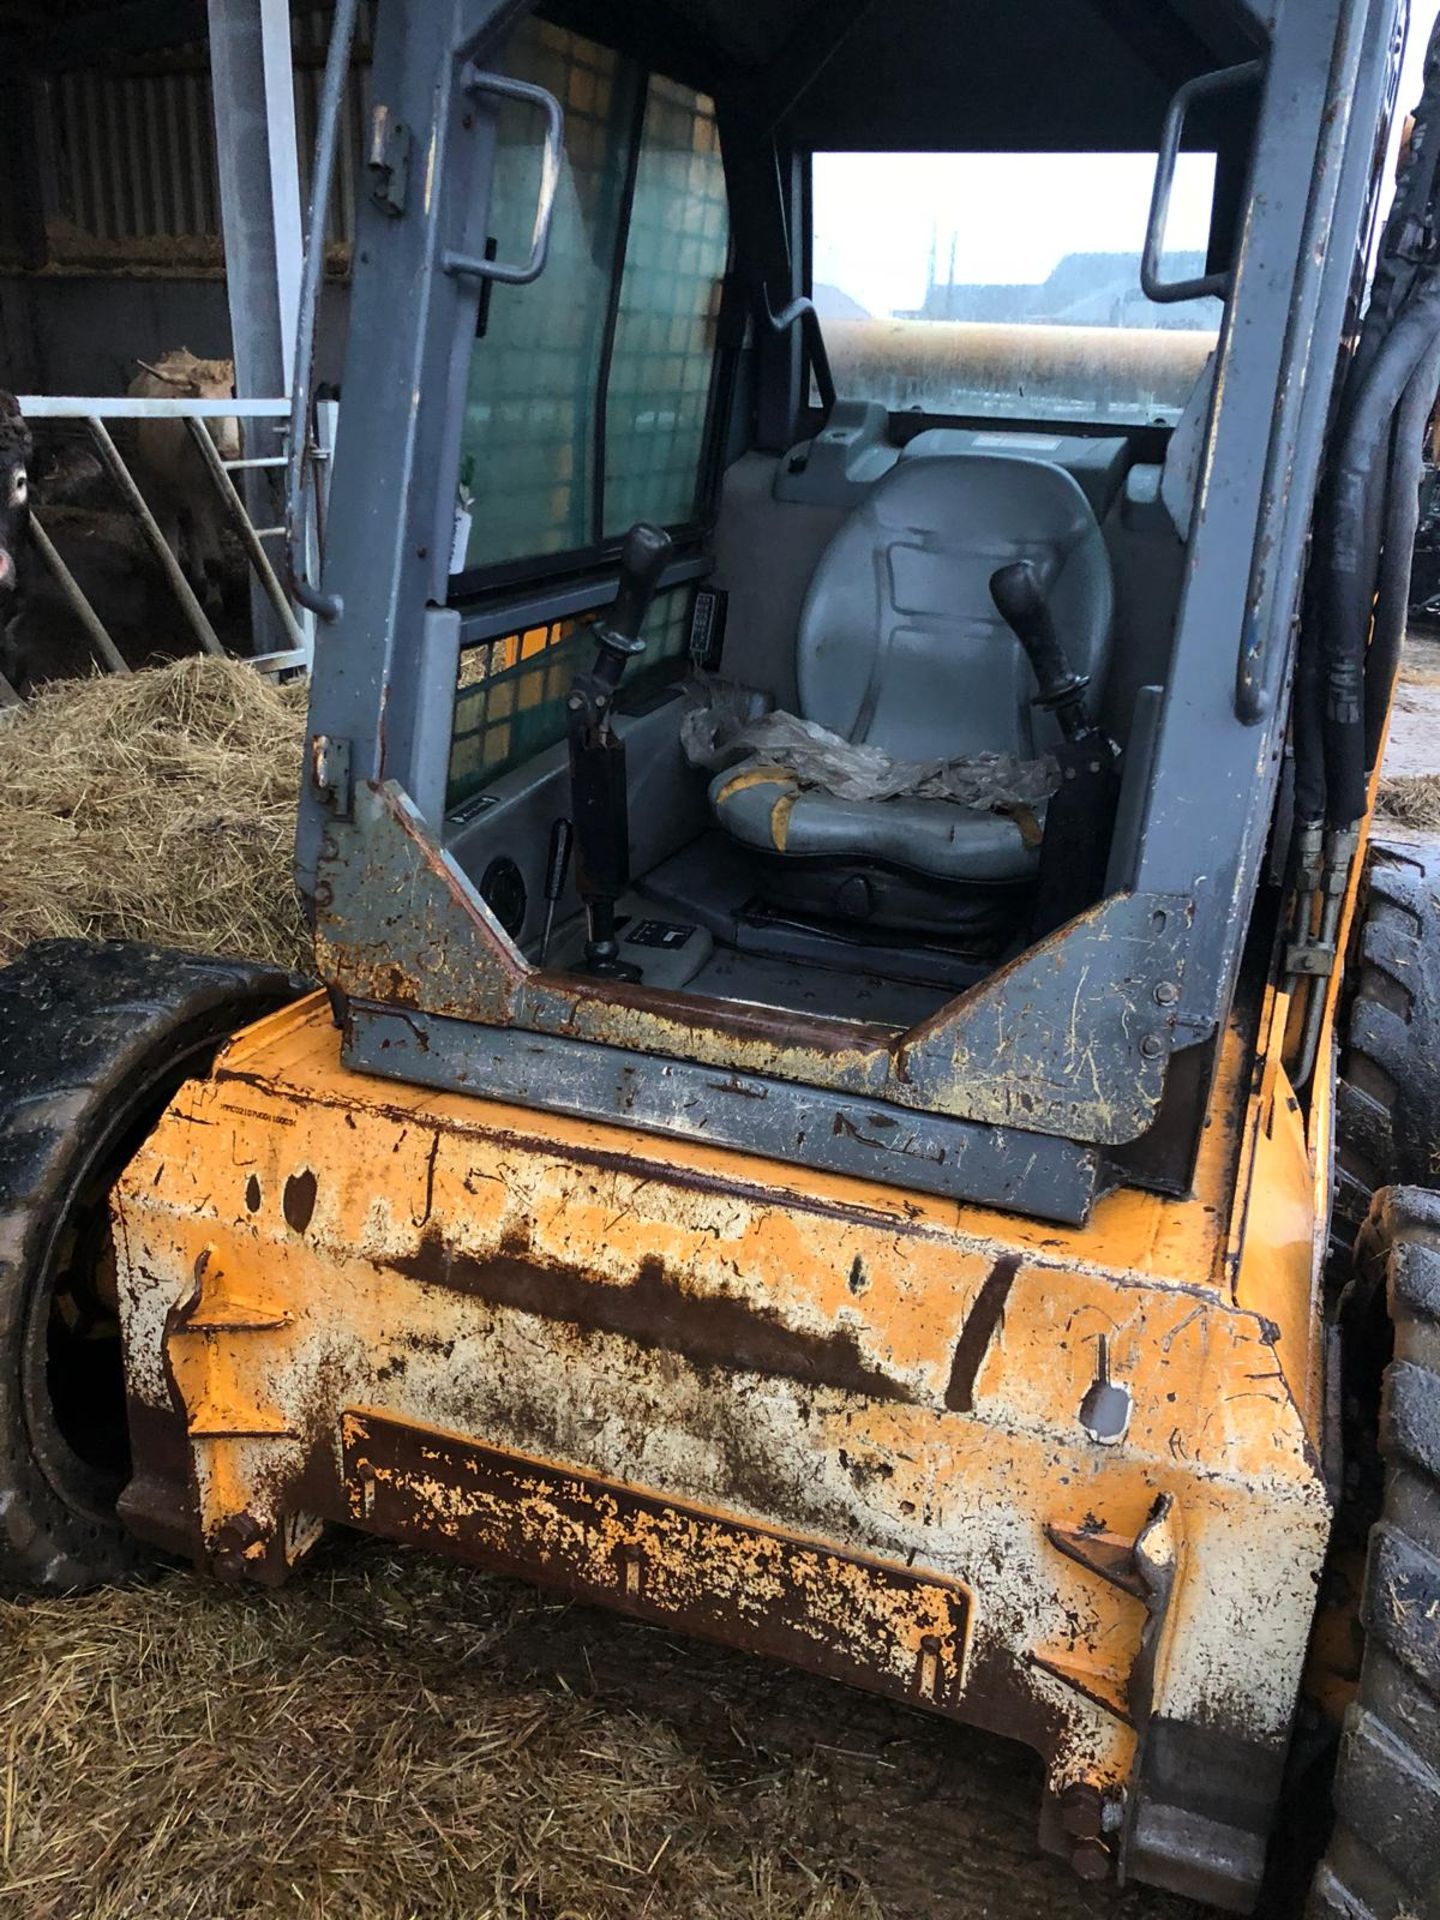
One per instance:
[(890, 1629), (765, 1029), (977, 1333), (300, 1190), (654, 1312)]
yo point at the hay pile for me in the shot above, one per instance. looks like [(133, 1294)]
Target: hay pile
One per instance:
[(1413, 800), (397, 1738), (157, 807)]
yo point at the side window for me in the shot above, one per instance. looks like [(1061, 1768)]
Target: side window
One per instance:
[(1008, 284), (589, 391), (510, 705)]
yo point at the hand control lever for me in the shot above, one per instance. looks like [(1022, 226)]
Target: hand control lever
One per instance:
[(557, 872), (1020, 598), (599, 792), (1080, 817)]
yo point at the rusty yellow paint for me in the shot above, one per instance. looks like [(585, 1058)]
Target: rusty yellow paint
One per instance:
[(878, 1378), (1031, 831), (908, 1626), (780, 821), (750, 777)]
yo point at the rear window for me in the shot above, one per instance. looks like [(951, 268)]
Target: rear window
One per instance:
[(1008, 285)]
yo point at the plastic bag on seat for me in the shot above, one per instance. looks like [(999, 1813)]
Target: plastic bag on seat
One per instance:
[(727, 727)]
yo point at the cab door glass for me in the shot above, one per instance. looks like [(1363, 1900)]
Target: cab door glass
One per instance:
[(589, 391)]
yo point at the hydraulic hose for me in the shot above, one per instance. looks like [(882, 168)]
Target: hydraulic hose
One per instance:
[(1358, 493), (1402, 525), (1308, 733), (325, 606)]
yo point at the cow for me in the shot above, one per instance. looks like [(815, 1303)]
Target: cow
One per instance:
[(171, 471), (16, 447)]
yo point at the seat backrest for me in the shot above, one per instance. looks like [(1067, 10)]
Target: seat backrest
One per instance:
[(900, 644)]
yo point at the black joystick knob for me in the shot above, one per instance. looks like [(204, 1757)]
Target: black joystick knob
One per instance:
[(1020, 600), (643, 559)]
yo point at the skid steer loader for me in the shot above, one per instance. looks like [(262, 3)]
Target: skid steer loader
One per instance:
[(857, 1029)]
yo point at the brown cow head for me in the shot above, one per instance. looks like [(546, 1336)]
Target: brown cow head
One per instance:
[(16, 447)]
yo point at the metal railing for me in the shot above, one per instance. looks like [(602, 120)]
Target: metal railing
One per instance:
[(94, 413)]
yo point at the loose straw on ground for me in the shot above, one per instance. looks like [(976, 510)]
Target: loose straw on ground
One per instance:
[(1413, 800)]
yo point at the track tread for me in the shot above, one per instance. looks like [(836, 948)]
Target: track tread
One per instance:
[(1387, 1107), (1384, 1857)]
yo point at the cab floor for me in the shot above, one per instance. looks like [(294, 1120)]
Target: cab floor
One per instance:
[(822, 991)]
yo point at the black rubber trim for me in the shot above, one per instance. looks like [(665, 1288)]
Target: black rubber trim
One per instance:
[(94, 1041)]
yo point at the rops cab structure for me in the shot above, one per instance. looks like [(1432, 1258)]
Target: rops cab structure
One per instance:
[(865, 576)]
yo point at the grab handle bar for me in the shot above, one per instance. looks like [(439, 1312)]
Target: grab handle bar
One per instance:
[(1205, 86), (509, 274), (804, 314)]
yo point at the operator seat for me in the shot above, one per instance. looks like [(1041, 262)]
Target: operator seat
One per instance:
[(900, 646)]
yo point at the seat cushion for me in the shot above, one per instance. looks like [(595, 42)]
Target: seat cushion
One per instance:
[(766, 808)]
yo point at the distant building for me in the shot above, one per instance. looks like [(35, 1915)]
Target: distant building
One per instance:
[(832, 304), (1085, 290)]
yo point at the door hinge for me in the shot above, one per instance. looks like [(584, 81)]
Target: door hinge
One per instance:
[(389, 161)]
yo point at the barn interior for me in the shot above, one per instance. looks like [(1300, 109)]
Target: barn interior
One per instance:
[(156, 157), (146, 215), (112, 241)]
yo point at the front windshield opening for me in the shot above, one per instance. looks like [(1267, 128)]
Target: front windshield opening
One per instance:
[(1008, 284)]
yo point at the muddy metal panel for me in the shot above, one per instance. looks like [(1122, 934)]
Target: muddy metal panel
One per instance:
[(1071, 1038), (1066, 1480), (836, 1133), (884, 1627)]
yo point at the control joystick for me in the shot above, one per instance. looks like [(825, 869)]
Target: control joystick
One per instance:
[(1020, 600), (1080, 816), (599, 793)]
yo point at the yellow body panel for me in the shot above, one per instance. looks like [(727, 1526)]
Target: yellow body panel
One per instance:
[(865, 1429)]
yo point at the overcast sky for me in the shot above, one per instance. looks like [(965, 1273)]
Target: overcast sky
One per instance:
[(881, 219)]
